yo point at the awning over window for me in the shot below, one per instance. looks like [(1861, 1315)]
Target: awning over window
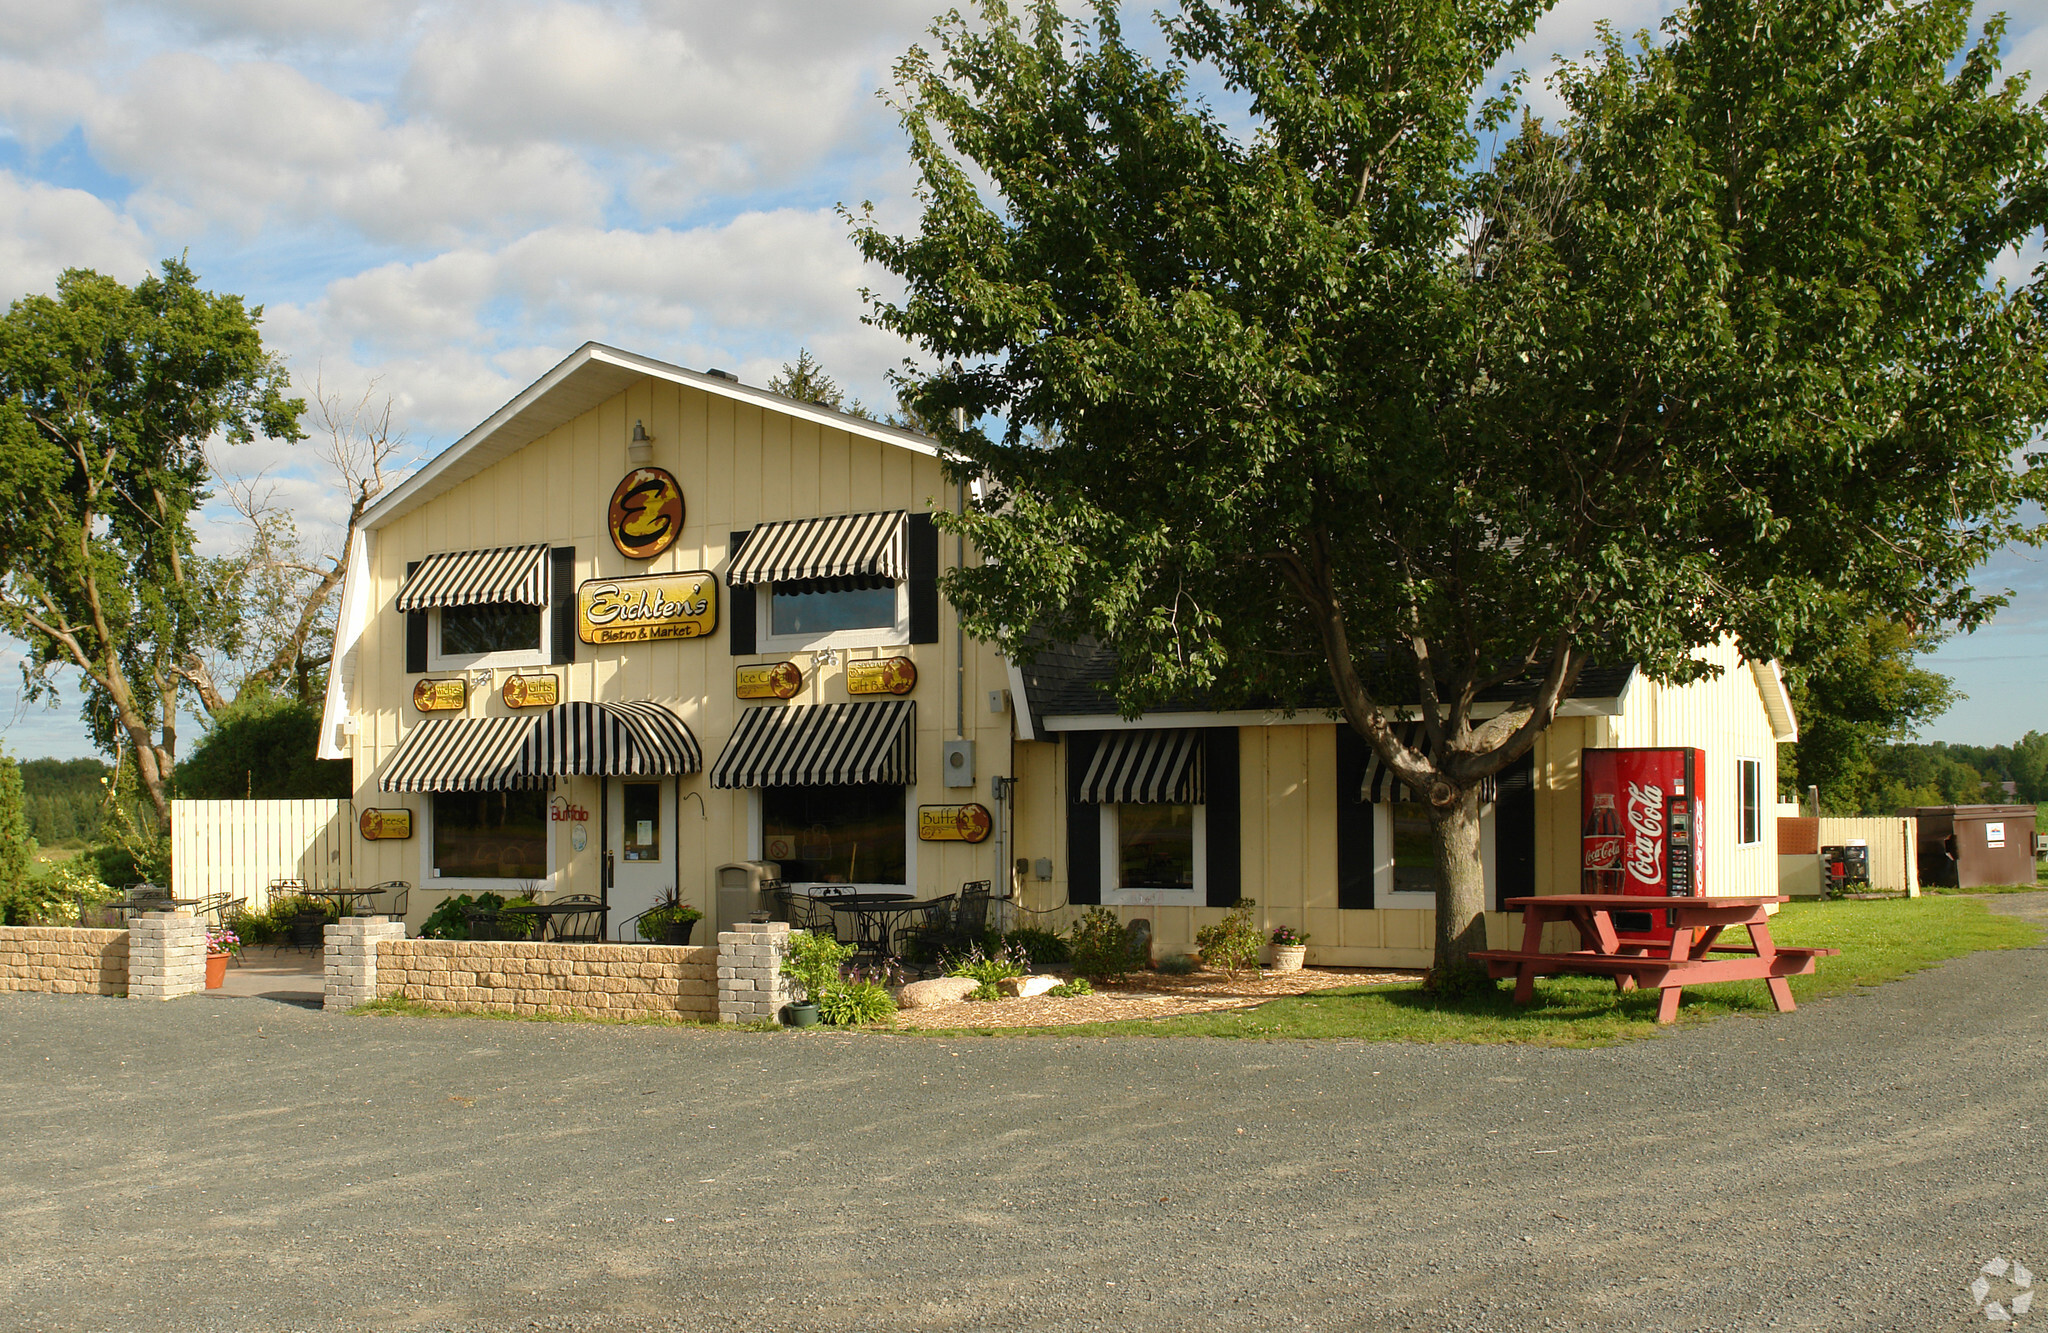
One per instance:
[(1146, 768), (516, 574), (610, 740), (460, 754), (818, 548), (821, 745), (1381, 784)]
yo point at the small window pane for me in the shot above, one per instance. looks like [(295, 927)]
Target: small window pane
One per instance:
[(498, 627), (1414, 849), (1750, 773), (1155, 846), (819, 606), (491, 835), (643, 821), (835, 835)]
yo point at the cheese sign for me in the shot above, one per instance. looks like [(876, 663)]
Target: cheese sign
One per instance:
[(440, 696), (647, 607), (531, 691), (886, 675), (953, 823), (384, 825), (771, 680)]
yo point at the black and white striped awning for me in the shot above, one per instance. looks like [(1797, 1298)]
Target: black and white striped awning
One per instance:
[(1381, 785), (821, 745), (1146, 768), (460, 754), (515, 574), (639, 739), (842, 546)]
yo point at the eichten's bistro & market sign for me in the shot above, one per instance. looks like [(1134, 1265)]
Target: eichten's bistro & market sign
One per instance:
[(646, 607)]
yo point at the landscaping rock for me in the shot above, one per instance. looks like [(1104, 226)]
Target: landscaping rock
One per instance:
[(939, 990), (1025, 987)]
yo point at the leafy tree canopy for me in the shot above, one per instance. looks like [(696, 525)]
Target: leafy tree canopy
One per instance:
[(1339, 403), (108, 397), (1855, 698), (261, 747)]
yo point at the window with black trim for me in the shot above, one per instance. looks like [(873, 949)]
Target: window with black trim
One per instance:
[(490, 634), (490, 834), (1749, 797), (855, 834), (823, 606)]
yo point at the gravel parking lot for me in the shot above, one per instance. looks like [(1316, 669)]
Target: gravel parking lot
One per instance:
[(241, 1164)]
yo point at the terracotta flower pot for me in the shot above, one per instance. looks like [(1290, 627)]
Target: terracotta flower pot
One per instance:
[(1289, 957), (216, 970)]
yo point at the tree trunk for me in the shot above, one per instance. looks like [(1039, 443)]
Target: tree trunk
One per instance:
[(1460, 892)]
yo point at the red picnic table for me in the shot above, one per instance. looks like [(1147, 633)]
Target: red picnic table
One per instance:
[(1684, 961)]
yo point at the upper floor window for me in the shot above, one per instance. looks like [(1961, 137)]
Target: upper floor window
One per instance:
[(834, 582), (824, 606), (500, 627)]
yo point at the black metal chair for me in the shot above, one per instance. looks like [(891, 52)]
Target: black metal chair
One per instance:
[(921, 941), (583, 927), (146, 898), (396, 896)]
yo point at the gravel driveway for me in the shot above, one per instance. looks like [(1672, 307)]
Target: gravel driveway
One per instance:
[(238, 1164)]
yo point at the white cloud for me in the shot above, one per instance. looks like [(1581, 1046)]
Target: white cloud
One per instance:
[(45, 230), (283, 19), (41, 26)]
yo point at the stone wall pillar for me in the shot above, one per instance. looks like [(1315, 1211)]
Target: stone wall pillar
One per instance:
[(351, 958), (751, 986), (166, 955)]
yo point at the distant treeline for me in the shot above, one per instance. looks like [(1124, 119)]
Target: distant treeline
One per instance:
[(64, 799), (1942, 773)]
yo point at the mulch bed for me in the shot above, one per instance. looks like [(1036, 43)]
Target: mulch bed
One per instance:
[(1146, 996)]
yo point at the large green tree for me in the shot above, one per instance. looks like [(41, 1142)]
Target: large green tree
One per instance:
[(1854, 697), (108, 397), (1318, 397)]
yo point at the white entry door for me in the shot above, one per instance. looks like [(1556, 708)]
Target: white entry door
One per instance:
[(643, 845)]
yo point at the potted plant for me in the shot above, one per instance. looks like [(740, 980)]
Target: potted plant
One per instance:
[(221, 945), (813, 962), (670, 923), (1290, 948)]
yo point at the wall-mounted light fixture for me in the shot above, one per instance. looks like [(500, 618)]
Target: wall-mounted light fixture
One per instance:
[(640, 449)]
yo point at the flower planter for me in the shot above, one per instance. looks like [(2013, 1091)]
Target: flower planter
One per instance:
[(679, 932), (216, 970), (1289, 957), (802, 1014)]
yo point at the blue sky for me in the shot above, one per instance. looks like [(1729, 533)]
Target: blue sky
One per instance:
[(436, 201)]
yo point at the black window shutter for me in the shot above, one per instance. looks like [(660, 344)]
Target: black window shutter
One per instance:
[(1226, 871), (1084, 824), (415, 631), (1514, 832), (924, 580), (1354, 822), (740, 615), (562, 604)]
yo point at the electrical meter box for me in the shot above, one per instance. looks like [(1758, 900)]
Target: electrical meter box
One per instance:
[(958, 762)]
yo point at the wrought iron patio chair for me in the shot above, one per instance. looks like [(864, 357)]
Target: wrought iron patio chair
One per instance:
[(584, 927), (921, 941), (390, 898), (146, 898)]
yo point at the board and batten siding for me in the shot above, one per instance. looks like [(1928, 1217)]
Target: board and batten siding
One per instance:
[(238, 848), (739, 464)]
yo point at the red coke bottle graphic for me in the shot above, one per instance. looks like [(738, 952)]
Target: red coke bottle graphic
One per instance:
[(1602, 846)]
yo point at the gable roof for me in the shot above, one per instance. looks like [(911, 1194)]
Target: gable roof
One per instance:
[(588, 376)]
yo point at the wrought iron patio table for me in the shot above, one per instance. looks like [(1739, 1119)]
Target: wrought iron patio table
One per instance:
[(345, 898), (874, 917)]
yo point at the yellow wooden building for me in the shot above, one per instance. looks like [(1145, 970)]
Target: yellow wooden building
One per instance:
[(659, 616)]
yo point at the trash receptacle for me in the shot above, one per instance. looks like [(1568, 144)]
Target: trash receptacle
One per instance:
[(739, 890)]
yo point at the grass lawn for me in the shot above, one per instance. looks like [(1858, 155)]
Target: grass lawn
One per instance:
[(1880, 941)]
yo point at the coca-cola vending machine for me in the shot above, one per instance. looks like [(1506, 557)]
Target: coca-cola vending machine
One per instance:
[(1643, 813)]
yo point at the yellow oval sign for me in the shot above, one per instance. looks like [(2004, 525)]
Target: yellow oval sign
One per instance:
[(440, 696), (382, 825), (887, 675), (953, 823), (647, 607), (772, 680), (531, 691)]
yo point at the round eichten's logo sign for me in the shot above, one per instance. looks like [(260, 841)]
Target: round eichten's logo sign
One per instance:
[(2003, 1291), (646, 513)]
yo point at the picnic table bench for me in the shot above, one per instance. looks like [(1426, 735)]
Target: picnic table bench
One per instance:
[(1687, 959)]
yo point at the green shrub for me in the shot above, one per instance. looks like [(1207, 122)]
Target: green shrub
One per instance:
[(813, 962), (1100, 947), (654, 924), (1041, 946), (1233, 943), (1177, 965), (450, 920), (1067, 990), (272, 924), (987, 970), (849, 1002)]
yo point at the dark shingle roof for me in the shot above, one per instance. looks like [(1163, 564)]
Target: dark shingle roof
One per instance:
[(1075, 679)]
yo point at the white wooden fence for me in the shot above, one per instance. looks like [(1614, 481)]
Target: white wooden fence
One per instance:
[(240, 847)]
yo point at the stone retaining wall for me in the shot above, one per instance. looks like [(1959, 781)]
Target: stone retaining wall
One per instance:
[(64, 961), (589, 980)]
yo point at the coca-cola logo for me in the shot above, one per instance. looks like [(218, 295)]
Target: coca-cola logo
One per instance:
[(1603, 851), (1646, 833)]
